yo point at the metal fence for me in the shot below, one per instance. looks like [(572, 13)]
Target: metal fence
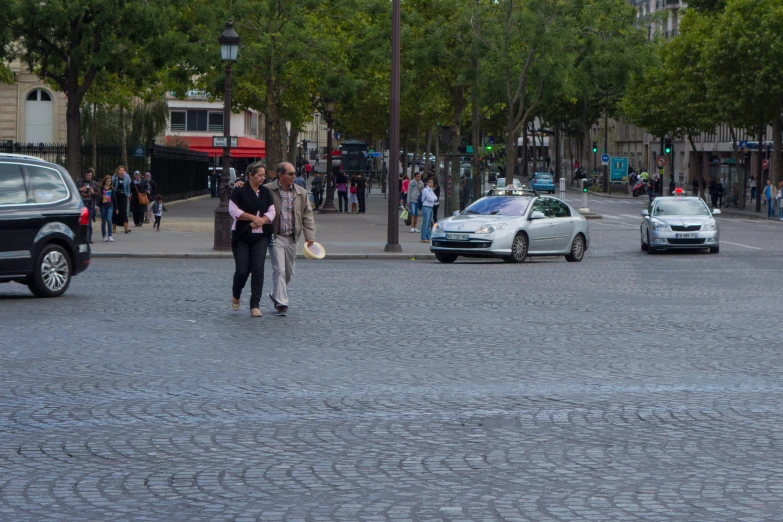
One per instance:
[(178, 173)]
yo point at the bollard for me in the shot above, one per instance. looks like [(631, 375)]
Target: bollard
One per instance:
[(583, 209), (562, 188)]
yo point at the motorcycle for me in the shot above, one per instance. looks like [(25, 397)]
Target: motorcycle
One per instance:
[(639, 189)]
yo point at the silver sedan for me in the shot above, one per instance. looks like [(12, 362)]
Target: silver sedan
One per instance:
[(512, 227), (679, 222)]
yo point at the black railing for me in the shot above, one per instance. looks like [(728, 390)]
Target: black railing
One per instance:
[(178, 173)]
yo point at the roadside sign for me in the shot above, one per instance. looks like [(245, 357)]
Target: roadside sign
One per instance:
[(219, 142), (604, 159), (139, 152), (743, 144), (619, 170), (660, 161), (765, 164)]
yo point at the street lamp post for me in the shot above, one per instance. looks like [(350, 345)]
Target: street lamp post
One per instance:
[(393, 230), (328, 206), (229, 44)]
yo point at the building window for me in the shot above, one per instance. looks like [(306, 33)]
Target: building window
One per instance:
[(197, 120), (39, 95), (178, 120), (215, 122), (254, 125)]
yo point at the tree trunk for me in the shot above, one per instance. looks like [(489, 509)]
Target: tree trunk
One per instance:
[(293, 138), (94, 139), (283, 139), (475, 127), (435, 151), (416, 150), (511, 140), (124, 140), (740, 172), (427, 148), (776, 173), (404, 153), (556, 159), (459, 105)]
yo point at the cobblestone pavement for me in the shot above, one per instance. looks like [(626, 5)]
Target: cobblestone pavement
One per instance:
[(626, 387)]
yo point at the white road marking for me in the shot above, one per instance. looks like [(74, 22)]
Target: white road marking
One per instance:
[(741, 245)]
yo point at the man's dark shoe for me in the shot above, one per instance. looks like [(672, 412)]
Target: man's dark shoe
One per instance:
[(282, 311)]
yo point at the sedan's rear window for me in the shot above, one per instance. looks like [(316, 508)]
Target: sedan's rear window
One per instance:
[(48, 186), (499, 206), (12, 191), (674, 207)]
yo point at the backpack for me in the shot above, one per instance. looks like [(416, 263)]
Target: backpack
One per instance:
[(419, 200)]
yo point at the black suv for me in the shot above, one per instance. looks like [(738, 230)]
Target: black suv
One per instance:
[(43, 225)]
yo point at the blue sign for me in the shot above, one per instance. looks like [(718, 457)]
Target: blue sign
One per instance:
[(139, 152), (619, 170), (743, 144), (491, 140), (336, 135), (604, 158)]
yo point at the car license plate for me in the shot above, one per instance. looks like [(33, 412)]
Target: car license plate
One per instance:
[(460, 237), (684, 236)]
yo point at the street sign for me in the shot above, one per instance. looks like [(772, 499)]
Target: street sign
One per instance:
[(765, 164), (139, 152), (619, 170), (491, 140), (743, 144), (219, 142), (660, 161), (604, 159), (336, 135)]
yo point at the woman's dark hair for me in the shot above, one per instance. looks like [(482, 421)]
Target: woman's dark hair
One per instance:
[(103, 181)]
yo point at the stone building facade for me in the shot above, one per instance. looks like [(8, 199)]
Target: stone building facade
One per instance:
[(30, 110)]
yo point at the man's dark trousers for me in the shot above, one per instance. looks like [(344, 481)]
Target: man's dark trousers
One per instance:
[(361, 196)]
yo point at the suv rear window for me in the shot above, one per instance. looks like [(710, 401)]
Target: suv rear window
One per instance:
[(47, 184), (12, 191)]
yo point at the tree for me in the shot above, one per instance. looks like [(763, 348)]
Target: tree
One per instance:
[(68, 42)]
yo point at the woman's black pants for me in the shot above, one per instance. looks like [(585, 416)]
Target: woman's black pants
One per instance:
[(249, 258)]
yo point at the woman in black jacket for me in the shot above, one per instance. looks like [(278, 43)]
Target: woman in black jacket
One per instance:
[(253, 210)]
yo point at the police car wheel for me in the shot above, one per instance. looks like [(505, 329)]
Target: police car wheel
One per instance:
[(714, 250), (644, 246), (650, 249), (446, 258)]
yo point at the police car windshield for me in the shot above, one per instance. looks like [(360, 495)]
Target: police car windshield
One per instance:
[(683, 207), (499, 205)]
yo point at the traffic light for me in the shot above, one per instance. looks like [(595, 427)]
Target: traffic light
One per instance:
[(593, 172), (595, 147), (489, 147), (584, 189), (667, 145)]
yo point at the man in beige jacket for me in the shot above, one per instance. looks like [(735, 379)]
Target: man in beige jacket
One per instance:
[(293, 216)]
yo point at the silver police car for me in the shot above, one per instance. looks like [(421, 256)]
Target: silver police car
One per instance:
[(679, 222), (512, 224)]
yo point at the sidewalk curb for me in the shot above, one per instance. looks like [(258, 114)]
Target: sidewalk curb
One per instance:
[(602, 195), (227, 255), (204, 196)]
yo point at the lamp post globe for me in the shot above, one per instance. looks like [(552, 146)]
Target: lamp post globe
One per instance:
[(229, 47)]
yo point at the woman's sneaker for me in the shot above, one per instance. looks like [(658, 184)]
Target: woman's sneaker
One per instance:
[(105, 239), (111, 239)]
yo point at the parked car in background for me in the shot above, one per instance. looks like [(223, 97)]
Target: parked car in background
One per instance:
[(43, 225)]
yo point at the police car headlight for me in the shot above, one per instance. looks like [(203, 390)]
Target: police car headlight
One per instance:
[(437, 228), (660, 225), (710, 226), (488, 229)]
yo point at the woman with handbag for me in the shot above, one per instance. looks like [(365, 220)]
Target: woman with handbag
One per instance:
[(139, 199), (253, 210)]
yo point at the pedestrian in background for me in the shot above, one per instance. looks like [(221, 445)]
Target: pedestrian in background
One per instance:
[(354, 200), (90, 193), (308, 170), (428, 201), (719, 193), (650, 190), (299, 180), (317, 188), (414, 191), (779, 199), (253, 209), (752, 185), (153, 193), (121, 183), (139, 190), (695, 188), (361, 194), (404, 182), (158, 208), (770, 193), (435, 207), (106, 204), (293, 217), (341, 182)]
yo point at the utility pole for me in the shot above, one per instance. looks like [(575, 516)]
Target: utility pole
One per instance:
[(393, 228), (761, 185), (607, 185)]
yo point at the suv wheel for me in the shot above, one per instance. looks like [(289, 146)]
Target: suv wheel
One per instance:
[(52, 272)]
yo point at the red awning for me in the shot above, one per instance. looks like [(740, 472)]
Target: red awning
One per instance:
[(247, 147)]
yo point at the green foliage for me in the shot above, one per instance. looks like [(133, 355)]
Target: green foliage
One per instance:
[(145, 121)]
